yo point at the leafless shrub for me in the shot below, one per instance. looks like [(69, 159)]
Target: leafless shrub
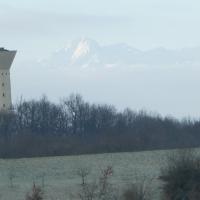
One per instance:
[(96, 190), (104, 185), (11, 176), (35, 194), (83, 173)]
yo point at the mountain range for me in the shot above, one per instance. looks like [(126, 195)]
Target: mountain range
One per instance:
[(161, 80), (89, 53)]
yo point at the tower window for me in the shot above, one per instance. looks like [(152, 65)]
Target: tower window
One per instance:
[(3, 94), (4, 105), (3, 84)]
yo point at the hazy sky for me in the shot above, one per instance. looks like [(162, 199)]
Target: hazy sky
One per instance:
[(48, 24), (38, 27)]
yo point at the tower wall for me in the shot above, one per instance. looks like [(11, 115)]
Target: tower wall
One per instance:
[(5, 89), (6, 59)]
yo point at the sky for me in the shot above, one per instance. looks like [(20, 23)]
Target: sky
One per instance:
[(48, 24), (36, 28)]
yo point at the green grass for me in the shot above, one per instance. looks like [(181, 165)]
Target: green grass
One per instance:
[(59, 178)]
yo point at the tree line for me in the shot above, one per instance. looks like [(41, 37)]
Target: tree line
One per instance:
[(74, 126)]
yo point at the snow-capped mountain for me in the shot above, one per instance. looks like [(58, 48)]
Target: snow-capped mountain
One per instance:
[(83, 53), (88, 53)]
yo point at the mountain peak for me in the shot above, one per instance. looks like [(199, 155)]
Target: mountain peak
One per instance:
[(83, 47)]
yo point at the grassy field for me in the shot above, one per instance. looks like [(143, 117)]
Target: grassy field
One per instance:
[(58, 175)]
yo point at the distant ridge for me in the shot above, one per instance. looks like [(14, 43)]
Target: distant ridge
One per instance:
[(86, 52)]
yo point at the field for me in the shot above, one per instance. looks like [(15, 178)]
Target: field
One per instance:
[(58, 175)]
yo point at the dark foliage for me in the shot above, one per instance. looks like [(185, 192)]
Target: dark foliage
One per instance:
[(181, 177), (42, 128), (135, 192)]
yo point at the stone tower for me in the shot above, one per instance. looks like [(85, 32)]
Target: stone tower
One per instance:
[(6, 59)]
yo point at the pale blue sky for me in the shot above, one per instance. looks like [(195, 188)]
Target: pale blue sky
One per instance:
[(36, 28), (48, 24)]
